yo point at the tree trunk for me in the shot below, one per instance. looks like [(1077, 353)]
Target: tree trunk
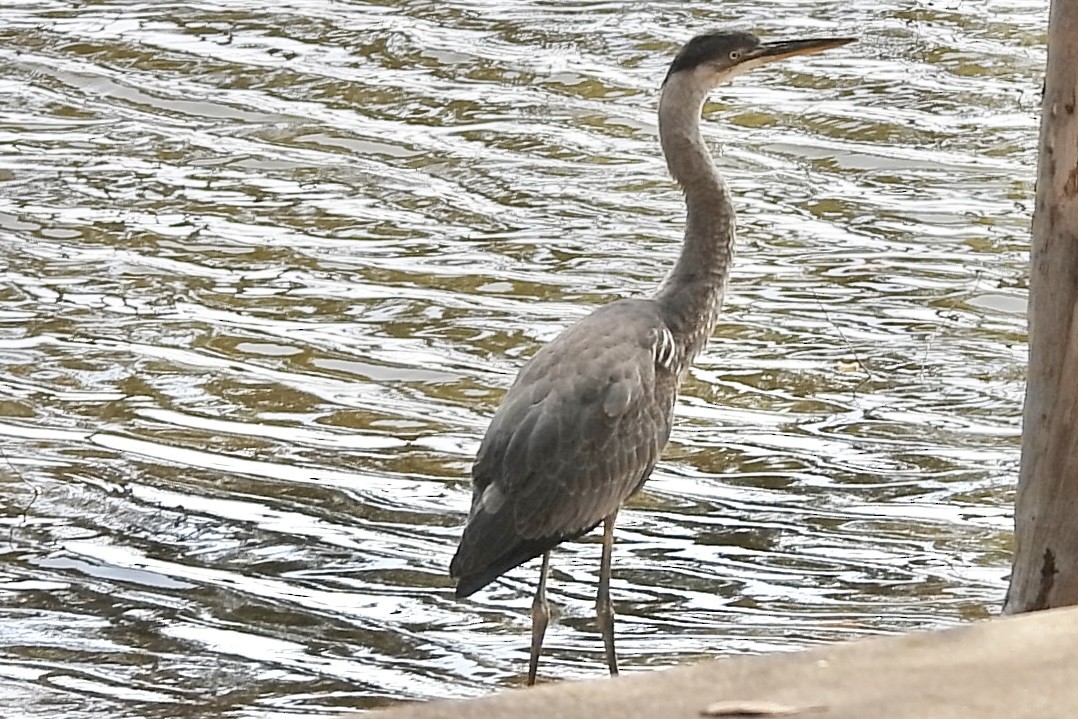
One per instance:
[(1045, 572)]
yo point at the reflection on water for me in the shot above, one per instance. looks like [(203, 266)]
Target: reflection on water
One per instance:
[(268, 272)]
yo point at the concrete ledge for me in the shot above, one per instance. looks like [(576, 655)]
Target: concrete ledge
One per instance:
[(1009, 668)]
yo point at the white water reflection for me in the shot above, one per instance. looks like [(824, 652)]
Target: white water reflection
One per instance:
[(269, 271)]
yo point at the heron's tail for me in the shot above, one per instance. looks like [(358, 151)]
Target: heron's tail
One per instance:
[(476, 565)]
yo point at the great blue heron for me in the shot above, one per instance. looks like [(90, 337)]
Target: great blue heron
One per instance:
[(585, 421)]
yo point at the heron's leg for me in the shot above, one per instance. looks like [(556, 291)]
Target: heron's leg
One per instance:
[(604, 611), (540, 617)]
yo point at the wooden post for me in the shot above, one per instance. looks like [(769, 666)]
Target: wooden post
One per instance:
[(1045, 572)]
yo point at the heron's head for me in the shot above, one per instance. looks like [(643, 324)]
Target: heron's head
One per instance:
[(716, 57)]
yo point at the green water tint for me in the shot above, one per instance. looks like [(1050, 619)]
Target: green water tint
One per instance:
[(268, 271)]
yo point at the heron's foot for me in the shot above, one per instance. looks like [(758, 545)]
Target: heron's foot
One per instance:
[(540, 619), (604, 615)]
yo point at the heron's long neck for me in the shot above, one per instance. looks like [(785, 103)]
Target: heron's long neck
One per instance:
[(692, 293)]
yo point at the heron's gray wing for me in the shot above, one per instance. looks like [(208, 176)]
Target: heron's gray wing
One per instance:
[(579, 431)]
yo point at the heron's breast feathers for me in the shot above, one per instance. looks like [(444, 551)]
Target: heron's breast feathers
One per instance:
[(664, 349)]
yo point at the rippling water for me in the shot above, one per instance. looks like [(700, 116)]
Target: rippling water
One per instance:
[(267, 273)]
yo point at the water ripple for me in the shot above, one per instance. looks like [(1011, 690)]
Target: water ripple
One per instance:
[(268, 273)]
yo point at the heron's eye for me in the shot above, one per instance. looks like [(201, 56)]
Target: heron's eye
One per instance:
[(735, 54)]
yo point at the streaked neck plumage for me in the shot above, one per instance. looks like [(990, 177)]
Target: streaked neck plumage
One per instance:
[(692, 293)]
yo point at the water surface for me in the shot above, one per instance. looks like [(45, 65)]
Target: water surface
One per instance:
[(267, 273)]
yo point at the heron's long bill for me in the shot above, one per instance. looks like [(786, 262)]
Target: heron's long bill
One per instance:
[(770, 51)]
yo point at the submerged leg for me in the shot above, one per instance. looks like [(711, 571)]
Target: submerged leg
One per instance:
[(604, 611), (540, 617)]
